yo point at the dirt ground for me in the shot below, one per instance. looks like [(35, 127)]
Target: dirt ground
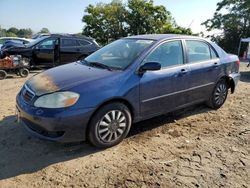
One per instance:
[(194, 147)]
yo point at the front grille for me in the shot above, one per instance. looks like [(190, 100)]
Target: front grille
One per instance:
[(27, 94)]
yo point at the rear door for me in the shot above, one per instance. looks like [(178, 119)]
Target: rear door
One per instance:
[(164, 90), (70, 50), (204, 66)]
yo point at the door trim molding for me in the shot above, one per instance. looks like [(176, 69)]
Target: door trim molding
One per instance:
[(177, 92)]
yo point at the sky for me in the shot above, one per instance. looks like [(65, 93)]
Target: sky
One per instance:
[(64, 16)]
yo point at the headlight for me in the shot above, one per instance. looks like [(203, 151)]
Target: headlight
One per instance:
[(57, 100)]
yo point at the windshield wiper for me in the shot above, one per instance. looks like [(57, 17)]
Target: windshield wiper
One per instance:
[(96, 64)]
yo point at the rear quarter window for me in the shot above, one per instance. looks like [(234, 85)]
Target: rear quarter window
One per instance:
[(84, 42)]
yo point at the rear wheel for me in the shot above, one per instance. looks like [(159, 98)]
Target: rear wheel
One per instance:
[(3, 74), (110, 125), (219, 94), (24, 72)]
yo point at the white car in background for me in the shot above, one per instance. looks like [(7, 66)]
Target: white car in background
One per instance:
[(14, 39)]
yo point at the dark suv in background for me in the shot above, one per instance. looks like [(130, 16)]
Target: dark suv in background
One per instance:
[(55, 49)]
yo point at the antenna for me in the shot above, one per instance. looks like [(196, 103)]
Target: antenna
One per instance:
[(191, 23)]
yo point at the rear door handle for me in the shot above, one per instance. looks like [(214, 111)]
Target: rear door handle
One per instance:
[(184, 71), (216, 64)]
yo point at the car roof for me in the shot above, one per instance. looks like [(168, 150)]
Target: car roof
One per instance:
[(159, 37), (71, 36)]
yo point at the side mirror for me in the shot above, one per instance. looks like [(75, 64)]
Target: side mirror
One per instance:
[(150, 66)]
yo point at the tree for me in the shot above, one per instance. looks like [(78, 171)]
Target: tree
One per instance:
[(44, 30), (175, 29), (145, 18), (235, 23), (105, 22), (10, 34), (2, 32), (26, 33), (108, 22), (13, 30)]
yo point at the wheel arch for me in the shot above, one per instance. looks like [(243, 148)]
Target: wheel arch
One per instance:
[(113, 100), (230, 82)]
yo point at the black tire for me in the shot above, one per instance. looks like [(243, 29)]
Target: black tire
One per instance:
[(219, 95), (23, 72), (3, 74), (104, 132)]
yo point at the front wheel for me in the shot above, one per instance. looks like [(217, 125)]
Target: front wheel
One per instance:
[(110, 125), (219, 95)]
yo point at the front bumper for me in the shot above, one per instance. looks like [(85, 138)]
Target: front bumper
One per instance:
[(62, 125)]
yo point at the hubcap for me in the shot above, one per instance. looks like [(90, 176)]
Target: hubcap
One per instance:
[(220, 94), (112, 126)]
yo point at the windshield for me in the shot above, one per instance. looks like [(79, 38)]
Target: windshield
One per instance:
[(32, 43), (119, 54)]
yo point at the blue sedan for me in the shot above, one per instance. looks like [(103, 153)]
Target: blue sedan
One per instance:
[(130, 80)]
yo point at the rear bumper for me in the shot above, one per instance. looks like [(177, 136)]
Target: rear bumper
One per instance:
[(67, 125), (235, 77)]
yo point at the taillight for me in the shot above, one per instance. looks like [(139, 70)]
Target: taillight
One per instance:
[(238, 62)]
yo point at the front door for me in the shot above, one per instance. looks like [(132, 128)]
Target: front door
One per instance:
[(44, 52), (164, 90)]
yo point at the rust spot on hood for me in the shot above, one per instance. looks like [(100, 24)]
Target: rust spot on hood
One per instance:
[(42, 84)]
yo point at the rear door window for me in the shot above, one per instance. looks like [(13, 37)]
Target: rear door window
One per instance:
[(70, 43), (197, 51), (167, 54)]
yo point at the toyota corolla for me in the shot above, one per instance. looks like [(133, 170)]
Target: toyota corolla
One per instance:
[(130, 80)]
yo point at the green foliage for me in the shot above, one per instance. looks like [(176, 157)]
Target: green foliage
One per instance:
[(235, 23), (14, 32), (111, 21), (105, 22), (44, 30), (10, 34), (145, 18), (26, 33)]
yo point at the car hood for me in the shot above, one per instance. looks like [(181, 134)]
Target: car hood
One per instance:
[(65, 77)]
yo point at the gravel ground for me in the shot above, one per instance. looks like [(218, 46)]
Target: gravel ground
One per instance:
[(194, 147)]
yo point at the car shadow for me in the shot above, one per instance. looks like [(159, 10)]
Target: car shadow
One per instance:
[(171, 117), (245, 76), (21, 153)]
